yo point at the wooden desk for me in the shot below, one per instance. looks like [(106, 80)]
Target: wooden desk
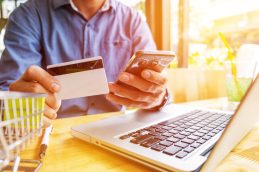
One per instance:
[(66, 153)]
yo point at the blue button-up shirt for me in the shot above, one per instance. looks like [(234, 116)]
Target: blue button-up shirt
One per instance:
[(44, 32)]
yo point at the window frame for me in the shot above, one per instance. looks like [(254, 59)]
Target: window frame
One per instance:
[(159, 21), (158, 15)]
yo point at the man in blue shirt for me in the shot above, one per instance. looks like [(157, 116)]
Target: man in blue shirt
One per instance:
[(44, 32)]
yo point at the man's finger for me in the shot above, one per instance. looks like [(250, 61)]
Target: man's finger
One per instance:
[(154, 77), (21, 85), (53, 102), (35, 73), (49, 112), (140, 83), (126, 102), (131, 94), (35, 87)]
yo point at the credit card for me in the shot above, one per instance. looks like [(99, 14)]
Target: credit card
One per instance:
[(80, 78)]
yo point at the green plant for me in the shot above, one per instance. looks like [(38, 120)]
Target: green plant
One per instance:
[(231, 57)]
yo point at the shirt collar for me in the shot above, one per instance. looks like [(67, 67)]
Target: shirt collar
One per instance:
[(73, 5), (112, 4), (107, 5), (59, 3)]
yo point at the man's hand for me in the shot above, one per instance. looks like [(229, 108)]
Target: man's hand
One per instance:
[(145, 91), (37, 80)]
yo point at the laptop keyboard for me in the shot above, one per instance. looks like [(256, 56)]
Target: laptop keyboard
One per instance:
[(180, 136)]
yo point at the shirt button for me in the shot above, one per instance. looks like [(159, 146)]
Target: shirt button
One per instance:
[(87, 55)]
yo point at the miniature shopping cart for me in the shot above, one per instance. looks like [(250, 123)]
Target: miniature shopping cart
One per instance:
[(21, 121)]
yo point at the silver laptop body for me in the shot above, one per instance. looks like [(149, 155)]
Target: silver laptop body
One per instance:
[(107, 133)]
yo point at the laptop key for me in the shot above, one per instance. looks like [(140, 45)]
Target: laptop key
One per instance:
[(211, 134), (203, 131), (216, 131), (168, 134), (136, 135), (194, 121), (190, 130), (198, 134), (124, 137), (217, 123), (208, 120), (182, 121), (140, 139), (173, 139), (204, 123), (193, 137), (199, 125), (149, 142), (150, 129), (142, 131), (172, 150), (179, 136), (188, 123), (212, 126), (206, 137), (186, 140), (185, 133), (188, 149), (220, 128), (158, 147), (174, 131), (154, 133), (167, 127), (181, 144), (181, 155), (195, 145), (160, 137), (166, 143), (178, 123), (195, 128), (179, 128), (133, 133), (223, 125), (207, 128), (160, 130), (184, 126), (173, 125), (201, 141)]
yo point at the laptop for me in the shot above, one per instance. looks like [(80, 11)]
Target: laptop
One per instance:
[(177, 138)]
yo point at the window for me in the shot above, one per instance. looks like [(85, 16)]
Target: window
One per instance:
[(6, 7), (236, 20), (139, 5)]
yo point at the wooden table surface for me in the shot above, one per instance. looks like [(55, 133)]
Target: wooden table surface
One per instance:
[(66, 153)]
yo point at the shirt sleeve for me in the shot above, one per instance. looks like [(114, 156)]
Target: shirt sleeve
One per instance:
[(141, 34), (22, 44)]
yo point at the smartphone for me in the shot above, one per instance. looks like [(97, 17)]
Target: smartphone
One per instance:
[(154, 60)]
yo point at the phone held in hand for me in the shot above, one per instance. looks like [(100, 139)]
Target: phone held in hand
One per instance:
[(154, 60)]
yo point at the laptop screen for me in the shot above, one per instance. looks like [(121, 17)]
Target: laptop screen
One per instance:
[(244, 119)]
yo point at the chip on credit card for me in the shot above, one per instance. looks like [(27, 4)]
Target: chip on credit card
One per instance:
[(80, 78)]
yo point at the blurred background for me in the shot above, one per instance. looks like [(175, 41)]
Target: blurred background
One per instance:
[(189, 27)]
